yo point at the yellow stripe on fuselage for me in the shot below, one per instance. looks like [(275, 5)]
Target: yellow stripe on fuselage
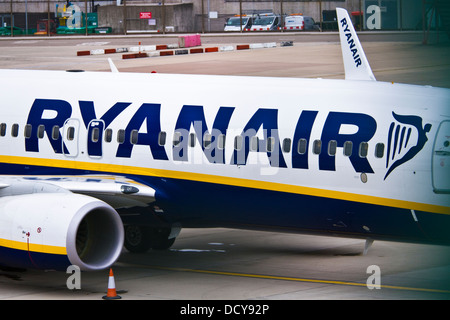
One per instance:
[(231, 181), (32, 247)]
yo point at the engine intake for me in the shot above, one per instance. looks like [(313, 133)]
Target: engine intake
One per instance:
[(55, 230)]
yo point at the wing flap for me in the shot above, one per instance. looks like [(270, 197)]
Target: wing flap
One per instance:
[(116, 191)]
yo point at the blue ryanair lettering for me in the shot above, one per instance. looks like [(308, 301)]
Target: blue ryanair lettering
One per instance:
[(94, 145), (303, 131), (87, 109), (36, 118), (263, 122), (195, 116), (151, 113), (366, 129), (266, 118), (351, 43), (88, 112)]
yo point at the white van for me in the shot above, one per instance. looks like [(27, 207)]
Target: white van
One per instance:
[(233, 23), (299, 22), (266, 23)]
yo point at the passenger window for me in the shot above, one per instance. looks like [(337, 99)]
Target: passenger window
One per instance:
[(41, 131), (121, 136), (238, 143), (134, 137), (108, 135), (55, 132), (301, 147), (379, 150), (176, 138), (95, 134), (317, 146), (207, 139), (70, 133), (28, 128), (332, 147), (162, 138), (287, 145), (254, 143), (15, 130), (2, 129), (221, 142), (348, 147), (270, 144), (363, 149), (192, 139)]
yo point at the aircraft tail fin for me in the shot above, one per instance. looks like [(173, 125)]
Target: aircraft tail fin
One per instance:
[(355, 62)]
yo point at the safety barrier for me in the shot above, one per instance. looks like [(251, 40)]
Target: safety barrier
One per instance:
[(166, 53), (242, 46), (212, 49), (135, 55), (162, 50), (196, 50), (181, 51), (139, 48), (209, 49), (191, 40)]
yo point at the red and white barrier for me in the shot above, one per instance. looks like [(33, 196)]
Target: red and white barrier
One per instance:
[(164, 50), (130, 49)]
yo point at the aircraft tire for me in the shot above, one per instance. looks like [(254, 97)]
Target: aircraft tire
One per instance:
[(163, 244), (137, 239)]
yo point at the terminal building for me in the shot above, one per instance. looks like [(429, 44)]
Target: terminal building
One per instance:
[(204, 16)]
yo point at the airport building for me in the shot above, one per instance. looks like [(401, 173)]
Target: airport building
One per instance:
[(203, 16)]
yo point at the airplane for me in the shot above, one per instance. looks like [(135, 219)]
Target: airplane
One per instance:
[(124, 159)]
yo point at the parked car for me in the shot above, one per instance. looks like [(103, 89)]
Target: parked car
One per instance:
[(234, 23), (265, 22), (299, 22)]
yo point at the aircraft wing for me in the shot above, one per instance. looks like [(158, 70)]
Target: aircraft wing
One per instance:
[(118, 192)]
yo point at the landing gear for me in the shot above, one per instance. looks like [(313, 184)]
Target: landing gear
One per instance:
[(140, 239)]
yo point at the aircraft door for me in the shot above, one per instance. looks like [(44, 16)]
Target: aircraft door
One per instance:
[(70, 137), (441, 159), (95, 138)]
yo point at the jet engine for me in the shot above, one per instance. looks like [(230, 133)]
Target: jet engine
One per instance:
[(55, 230)]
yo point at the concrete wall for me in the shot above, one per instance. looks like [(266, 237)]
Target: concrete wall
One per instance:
[(179, 16), (192, 15), (186, 15)]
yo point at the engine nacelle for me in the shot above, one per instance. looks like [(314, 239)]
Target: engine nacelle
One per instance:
[(55, 230)]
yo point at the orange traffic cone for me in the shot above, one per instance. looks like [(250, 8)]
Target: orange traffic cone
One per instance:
[(111, 294)]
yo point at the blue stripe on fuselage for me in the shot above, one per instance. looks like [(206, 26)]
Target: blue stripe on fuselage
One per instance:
[(32, 260), (204, 204)]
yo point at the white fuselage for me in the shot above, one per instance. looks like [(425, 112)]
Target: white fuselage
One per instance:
[(283, 100)]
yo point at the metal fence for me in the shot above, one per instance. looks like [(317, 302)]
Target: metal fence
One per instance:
[(50, 17)]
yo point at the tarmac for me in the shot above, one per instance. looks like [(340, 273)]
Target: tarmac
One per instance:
[(392, 58), (231, 266)]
